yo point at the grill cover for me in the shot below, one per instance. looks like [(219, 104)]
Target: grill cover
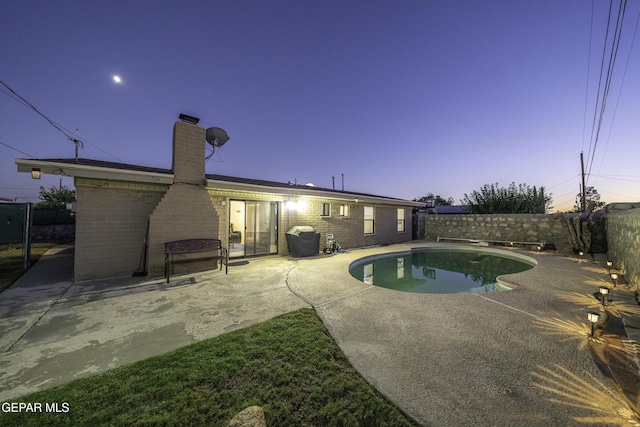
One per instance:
[(303, 240)]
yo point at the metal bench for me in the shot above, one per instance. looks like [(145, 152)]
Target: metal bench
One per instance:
[(193, 250)]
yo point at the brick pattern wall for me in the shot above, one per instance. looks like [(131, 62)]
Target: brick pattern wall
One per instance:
[(186, 210), (111, 224), (506, 227), (188, 153), (348, 231), (623, 237)]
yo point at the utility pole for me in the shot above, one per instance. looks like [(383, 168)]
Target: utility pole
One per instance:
[(583, 193)]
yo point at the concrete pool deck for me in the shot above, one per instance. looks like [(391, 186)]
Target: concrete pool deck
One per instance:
[(521, 357)]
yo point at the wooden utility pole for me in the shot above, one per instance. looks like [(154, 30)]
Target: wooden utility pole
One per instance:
[(583, 192)]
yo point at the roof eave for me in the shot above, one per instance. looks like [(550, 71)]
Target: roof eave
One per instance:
[(85, 171), (301, 191)]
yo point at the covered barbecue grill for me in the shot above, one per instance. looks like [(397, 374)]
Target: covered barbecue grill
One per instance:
[(303, 240)]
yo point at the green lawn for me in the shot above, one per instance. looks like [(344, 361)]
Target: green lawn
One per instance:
[(289, 365), (11, 261)]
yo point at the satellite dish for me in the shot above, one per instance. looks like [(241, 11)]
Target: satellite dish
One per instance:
[(217, 137)]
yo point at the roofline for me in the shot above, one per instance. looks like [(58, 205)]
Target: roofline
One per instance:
[(124, 172), (54, 167)]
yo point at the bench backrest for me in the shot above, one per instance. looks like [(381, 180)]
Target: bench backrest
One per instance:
[(192, 245)]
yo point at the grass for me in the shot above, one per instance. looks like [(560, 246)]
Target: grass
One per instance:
[(11, 261), (290, 366)]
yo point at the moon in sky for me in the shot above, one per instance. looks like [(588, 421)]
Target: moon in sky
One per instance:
[(117, 79)]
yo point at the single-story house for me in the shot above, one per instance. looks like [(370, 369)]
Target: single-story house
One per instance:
[(121, 209)]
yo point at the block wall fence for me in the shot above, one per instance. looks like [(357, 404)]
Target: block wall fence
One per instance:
[(623, 237), (507, 227), (622, 222)]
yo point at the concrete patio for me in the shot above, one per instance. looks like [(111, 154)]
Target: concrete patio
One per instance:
[(521, 357)]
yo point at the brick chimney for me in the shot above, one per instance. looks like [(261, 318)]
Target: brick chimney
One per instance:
[(188, 153), (186, 210)]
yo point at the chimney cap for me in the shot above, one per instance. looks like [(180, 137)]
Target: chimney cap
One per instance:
[(189, 119)]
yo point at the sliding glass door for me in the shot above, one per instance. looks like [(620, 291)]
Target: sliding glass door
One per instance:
[(253, 228)]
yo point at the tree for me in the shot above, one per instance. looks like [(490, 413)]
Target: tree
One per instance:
[(55, 197), (513, 199), (440, 201), (591, 195)]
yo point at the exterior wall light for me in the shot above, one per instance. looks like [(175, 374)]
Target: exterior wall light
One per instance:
[(291, 205), (593, 317), (603, 291), (614, 279), (301, 206), (35, 173)]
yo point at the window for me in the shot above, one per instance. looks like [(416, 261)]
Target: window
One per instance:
[(344, 210), (326, 209), (401, 224), (368, 220)]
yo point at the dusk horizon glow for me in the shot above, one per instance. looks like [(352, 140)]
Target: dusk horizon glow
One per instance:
[(402, 98)]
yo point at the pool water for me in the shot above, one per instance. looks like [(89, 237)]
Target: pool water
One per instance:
[(440, 271)]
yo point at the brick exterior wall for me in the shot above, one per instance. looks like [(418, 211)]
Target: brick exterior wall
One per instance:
[(348, 231), (186, 211), (111, 223), (112, 216)]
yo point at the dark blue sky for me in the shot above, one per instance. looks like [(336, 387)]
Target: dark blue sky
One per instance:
[(404, 98)]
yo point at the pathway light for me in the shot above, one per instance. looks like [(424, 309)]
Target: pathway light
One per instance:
[(609, 264), (593, 317), (603, 291), (614, 279)]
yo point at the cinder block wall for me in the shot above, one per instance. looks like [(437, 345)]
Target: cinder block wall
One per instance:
[(111, 225), (623, 237), (186, 211), (508, 227)]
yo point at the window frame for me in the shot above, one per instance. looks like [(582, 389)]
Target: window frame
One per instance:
[(401, 221), (369, 221), (325, 212)]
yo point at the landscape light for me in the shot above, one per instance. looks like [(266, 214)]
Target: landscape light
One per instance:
[(609, 264), (35, 173), (581, 253), (603, 291), (593, 318), (614, 279)]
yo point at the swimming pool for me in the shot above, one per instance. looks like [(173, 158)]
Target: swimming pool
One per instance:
[(441, 270)]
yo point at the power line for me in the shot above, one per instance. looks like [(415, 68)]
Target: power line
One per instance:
[(617, 179), (615, 44), (564, 182), (14, 148), (624, 75), (586, 94), (32, 157), (66, 132)]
